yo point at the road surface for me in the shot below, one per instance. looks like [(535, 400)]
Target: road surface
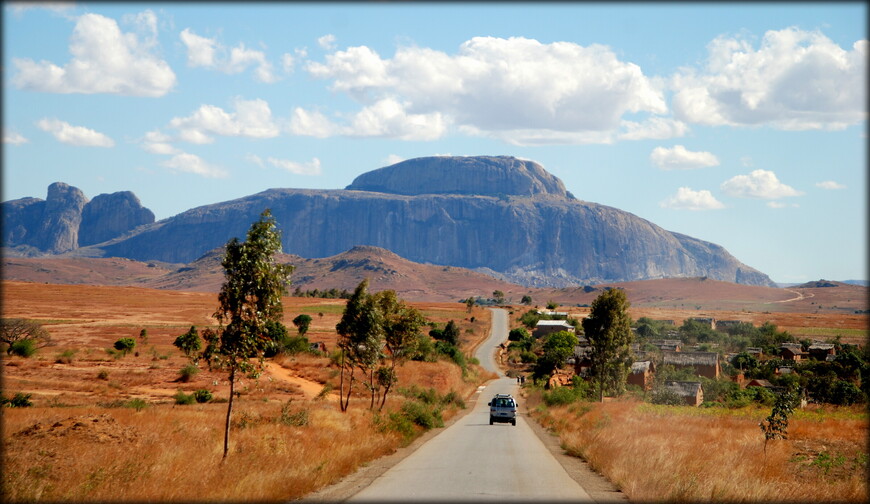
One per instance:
[(472, 460)]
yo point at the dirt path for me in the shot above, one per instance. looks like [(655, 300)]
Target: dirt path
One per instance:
[(800, 297), (310, 388)]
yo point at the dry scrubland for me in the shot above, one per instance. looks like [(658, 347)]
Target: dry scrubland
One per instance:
[(107, 429), (685, 454)]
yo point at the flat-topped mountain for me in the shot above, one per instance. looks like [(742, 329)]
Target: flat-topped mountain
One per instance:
[(499, 215)]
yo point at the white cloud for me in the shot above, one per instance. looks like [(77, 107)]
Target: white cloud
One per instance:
[(688, 199), (310, 168), (795, 80), (518, 90), (104, 60), (393, 159), (830, 185), (654, 128), (252, 119), (156, 142), (311, 123), (190, 163), (74, 135), (390, 119), (20, 7), (327, 42), (209, 53), (778, 205), (680, 158), (13, 138), (762, 184)]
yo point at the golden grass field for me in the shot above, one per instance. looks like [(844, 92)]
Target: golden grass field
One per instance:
[(686, 454), (78, 443)]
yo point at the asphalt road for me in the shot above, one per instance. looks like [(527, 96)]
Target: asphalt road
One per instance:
[(472, 460)]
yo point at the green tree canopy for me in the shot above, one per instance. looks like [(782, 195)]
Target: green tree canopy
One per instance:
[(189, 342), (249, 299), (302, 323), (360, 332), (608, 329)]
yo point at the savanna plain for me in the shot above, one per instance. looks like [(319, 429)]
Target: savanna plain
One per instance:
[(108, 426)]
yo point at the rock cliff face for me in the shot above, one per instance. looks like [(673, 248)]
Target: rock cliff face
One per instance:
[(500, 215), (66, 220), (110, 215)]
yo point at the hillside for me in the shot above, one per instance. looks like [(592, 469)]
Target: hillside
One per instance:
[(496, 214)]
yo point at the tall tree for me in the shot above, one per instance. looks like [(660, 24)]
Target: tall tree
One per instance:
[(608, 329), (249, 299), (401, 328), (13, 330), (360, 334), (302, 323)]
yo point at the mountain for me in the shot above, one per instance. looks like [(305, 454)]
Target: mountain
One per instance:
[(499, 215), (66, 220)]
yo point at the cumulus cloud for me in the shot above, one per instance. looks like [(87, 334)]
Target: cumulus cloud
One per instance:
[(688, 199), (761, 184), (310, 168), (384, 119), (74, 135), (13, 138), (778, 204), (209, 53), (104, 60), (327, 42), (156, 142), (190, 163), (517, 89), (795, 80), (680, 158), (252, 119), (830, 185)]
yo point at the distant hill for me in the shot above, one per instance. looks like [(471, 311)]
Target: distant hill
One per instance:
[(496, 214)]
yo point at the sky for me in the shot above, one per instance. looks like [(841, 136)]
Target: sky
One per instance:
[(742, 124)]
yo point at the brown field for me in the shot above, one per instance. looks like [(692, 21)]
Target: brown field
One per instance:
[(78, 442), (685, 454)]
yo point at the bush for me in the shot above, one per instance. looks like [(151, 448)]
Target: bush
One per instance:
[(182, 398), (425, 416), (19, 400), (188, 372), (202, 396), (136, 404), (665, 396), (65, 357), (23, 348), (103, 375), (125, 345)]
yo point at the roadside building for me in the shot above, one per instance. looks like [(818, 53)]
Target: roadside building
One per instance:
[(710, 322), (642, 374), (821, 351), (545, 327), (703, 363), (691, 392), (791, 351)]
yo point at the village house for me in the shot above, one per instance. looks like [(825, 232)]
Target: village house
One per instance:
[(758, 382), (554, 315), (721, 325), (545, 327), (704, 363), (791, 351), (642, 374), (754, 351), (706, 321), (667, 345), (821, 351), (581, 360), (691, 392)]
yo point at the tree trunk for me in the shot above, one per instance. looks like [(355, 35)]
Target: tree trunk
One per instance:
[(229, 413), (341, 385), (372, 384)]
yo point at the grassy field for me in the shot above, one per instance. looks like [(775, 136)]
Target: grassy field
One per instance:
[(686, 454)]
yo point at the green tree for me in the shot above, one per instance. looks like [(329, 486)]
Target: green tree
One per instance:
[(360, 335), (526, 300), (775, 426), (125, 345), (451, 333), (518, 334), (143, 336), (498, 296), (557, 347), (189, 342), (552, 305), (18, 329), (608, 329), (469, 303), (302, 323), (250, 297), (401, 329)]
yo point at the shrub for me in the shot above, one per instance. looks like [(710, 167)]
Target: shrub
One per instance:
[(189, 342), (65, 357), (19, 400), (136, 404), (182, 398), (23, 348), (202, 396), (561, 396), (425, 416), (665, 396), (103, 375), (187, 372), (298, 418), (125, 345)]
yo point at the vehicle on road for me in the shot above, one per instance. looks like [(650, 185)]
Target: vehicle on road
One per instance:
[(503, 409)]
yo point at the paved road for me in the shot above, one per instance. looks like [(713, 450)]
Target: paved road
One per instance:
[(472, 460)]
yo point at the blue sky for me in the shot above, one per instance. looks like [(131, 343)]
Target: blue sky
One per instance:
[(742, 124)]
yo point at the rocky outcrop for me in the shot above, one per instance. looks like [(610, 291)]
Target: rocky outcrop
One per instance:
[(66, 220), (499, 215), (108, 216), (478, 175)]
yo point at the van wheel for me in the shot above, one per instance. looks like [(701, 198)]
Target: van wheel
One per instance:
[(490, 420), (514, 422)]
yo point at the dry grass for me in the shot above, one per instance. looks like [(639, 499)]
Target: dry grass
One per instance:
[(687, 454)]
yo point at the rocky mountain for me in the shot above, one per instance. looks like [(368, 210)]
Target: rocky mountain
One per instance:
[(66, 220), (499, 215)]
